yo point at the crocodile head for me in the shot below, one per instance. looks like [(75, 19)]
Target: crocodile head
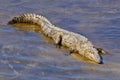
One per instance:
[(93, 55)]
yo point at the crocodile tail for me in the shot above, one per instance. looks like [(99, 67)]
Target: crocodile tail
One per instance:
[(30, 19)]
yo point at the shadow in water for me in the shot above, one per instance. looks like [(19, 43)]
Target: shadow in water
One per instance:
[(101, 58), (31, 28)]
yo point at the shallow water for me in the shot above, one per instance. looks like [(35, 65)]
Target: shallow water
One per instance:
[(27, 55)]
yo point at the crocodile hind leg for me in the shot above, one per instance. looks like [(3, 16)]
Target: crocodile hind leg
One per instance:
[(58, 40)]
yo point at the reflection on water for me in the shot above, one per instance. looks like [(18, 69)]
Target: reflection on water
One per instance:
[(26, 27), (28, 55)]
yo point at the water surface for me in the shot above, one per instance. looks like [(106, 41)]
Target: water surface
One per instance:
[(27, 55)]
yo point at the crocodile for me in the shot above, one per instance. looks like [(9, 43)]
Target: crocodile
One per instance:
[(73, 41)]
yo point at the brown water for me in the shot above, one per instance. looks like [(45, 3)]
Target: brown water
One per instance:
[(28, 55)]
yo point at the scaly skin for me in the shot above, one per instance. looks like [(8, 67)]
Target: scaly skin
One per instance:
[(75, 42)]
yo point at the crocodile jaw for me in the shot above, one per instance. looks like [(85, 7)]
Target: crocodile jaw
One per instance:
[(94, 56)]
